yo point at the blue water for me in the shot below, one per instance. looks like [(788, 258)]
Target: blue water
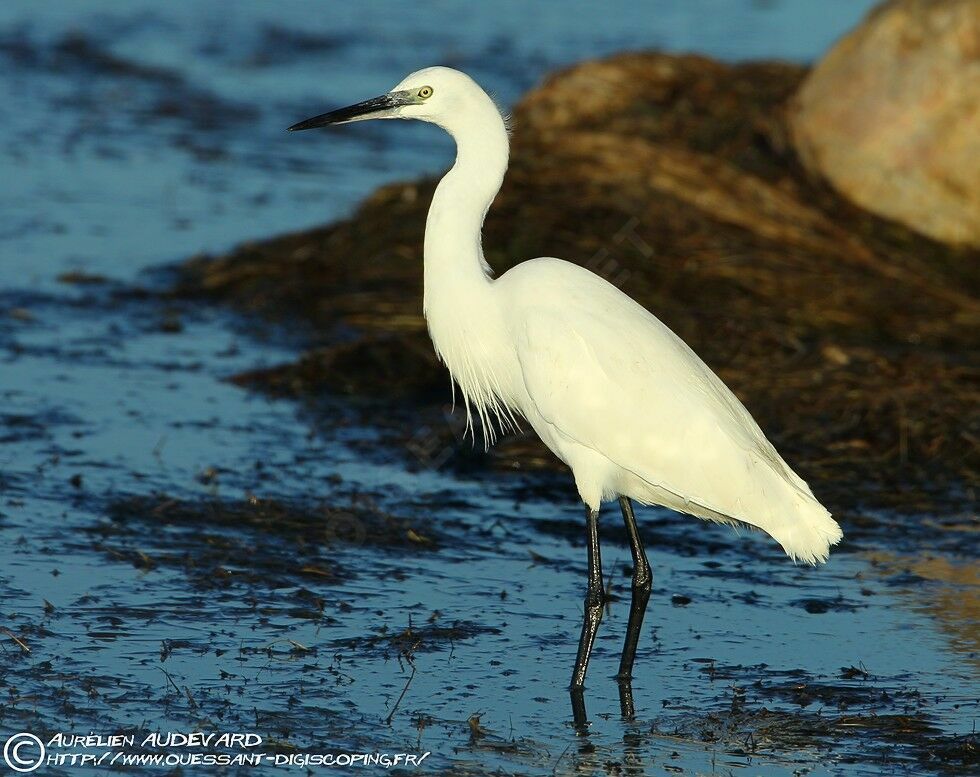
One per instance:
[(139, 133), (102, 176)]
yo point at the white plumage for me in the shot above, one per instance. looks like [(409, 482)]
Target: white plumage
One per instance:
[(610, 389), (633, 411)]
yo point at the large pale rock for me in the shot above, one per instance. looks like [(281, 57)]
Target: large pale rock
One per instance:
[(891, 117)]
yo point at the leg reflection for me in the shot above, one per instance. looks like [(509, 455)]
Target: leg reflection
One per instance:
[(626, 707), (579, 716)]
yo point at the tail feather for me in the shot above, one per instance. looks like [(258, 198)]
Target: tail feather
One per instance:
[(810, 533), (786, 509), (776, 501)]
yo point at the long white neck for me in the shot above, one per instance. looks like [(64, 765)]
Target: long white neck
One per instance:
[(453, 249), (460, 307)]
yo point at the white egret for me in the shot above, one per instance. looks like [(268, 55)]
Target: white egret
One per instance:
[(609, 388)]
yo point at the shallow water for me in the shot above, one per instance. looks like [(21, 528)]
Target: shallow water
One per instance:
[(178, 554)]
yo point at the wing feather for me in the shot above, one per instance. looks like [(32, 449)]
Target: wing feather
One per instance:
[(608, 375)]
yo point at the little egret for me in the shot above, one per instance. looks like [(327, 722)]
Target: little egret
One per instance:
[(610, 389)]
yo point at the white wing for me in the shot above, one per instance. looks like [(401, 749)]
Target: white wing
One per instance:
[(607, 374)]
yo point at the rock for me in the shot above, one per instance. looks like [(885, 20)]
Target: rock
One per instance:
[(891, 117)]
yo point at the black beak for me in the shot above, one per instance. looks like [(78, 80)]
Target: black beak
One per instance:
[(357, 112)]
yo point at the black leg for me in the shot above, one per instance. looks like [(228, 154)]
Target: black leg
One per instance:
[(642, 583), (593, 603)]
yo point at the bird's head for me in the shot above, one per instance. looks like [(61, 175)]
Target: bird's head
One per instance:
[(439, 95)]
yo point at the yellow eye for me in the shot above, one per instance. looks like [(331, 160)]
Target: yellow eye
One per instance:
[(425, 92)]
